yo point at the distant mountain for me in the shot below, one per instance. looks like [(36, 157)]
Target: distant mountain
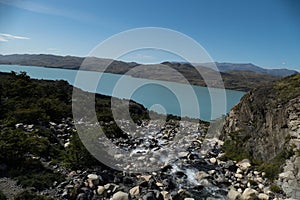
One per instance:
[(225, 67), (241, 77)]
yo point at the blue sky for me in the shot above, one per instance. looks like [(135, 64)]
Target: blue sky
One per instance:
[(263, 32)]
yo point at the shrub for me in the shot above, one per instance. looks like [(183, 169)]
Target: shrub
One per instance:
[(276, 189), (27, 195), (2, 196)]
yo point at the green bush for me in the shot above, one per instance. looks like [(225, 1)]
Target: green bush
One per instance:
[(27, 195), (273, 167), (276, 189), (2, 196)]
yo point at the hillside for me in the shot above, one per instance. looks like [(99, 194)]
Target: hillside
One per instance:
[(265, 127), (225, 67), (37, 127), (243, 79)]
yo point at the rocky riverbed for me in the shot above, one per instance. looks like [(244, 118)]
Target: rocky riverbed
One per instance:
[(185, 170)]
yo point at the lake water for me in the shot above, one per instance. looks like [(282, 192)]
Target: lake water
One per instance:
[(161, 96)]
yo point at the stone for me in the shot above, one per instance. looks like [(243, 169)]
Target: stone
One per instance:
[(287, 175), (239, 171), (134, 191), (259, 179), (183, 154), (92, 176), (249, 194), (189, 199), (120, 196), (256, 173), (81, 196), (149, 196), (244, 164), (100, 190), (67, 144), (230, 165), (166, 195), (158, 184), (263, 196), (118, 156), (240, 176), (213, 160), (261, 186), (201, 175), (146, 177), (233, 194)]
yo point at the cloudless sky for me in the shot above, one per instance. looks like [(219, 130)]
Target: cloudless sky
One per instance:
[(263, 32)]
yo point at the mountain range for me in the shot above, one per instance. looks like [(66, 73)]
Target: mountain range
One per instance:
[(241, 77)]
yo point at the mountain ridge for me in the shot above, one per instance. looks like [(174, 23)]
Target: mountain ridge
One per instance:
[(235, 80)]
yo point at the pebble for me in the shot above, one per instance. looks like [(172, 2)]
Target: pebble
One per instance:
[(213, 160)]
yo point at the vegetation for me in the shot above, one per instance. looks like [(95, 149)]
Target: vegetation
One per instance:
[(273, 167), (26, 101), (288, 88), (26, 195), (251, 113), (234, 148), (275, 188), (2, 196)]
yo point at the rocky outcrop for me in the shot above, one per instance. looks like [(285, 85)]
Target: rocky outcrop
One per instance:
[(265, 127)]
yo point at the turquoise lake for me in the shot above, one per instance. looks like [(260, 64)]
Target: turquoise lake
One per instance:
[(175, 98)]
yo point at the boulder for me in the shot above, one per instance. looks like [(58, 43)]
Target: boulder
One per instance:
[(134, 191), (263, 196), (233, 194), (244, 164), (249, 194), (120, 196), (201, 175), (100, 190)]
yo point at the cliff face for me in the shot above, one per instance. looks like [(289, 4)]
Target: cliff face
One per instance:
[(265, 127)]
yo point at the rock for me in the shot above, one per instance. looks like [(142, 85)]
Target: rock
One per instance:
[(166, 195), (211, 172), (230, 165), (134, 191), (287, 175), (256, 173), (249, 194), (261, 186), (92, 176), (183, 154), (239, 171), (233, 194), (81, 196), (100, 190), (146, 177), (259, 179), (244, 164), (240, 176), (189, 199), (201, 175), (263, 196), (120, 196), (149, 196), (213, 160), (158, 184)]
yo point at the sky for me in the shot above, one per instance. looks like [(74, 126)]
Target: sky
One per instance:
[(262, 32)]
